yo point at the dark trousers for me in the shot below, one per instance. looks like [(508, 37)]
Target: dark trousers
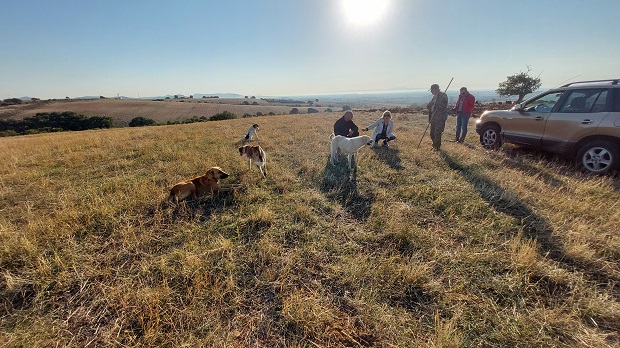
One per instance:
[(383, 136)]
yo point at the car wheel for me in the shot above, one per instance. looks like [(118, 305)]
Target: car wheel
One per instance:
[(598, 157), (489, 138)]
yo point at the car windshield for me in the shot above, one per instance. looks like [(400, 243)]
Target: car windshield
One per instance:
[(544, 103)]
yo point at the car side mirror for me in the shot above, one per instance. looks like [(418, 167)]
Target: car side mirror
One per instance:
[(517, 107)]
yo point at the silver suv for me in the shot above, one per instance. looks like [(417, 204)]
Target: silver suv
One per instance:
[(580, 120)]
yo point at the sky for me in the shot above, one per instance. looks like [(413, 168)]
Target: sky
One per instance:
[(147, 48)]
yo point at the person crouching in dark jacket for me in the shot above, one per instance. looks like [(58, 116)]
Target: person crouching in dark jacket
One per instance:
[(345, 126)]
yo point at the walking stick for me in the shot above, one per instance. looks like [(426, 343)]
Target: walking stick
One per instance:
[(432, 114)]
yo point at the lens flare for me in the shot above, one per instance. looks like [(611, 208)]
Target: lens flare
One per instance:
[(364, 12)]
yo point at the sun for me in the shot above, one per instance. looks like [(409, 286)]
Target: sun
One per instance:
[(364, 12)]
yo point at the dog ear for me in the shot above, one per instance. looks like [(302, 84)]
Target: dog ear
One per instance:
[(210, 174)]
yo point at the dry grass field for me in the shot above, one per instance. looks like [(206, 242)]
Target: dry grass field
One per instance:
[(123, 111), (458, 248)]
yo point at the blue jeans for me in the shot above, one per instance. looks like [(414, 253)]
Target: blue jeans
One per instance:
[(461, 125)]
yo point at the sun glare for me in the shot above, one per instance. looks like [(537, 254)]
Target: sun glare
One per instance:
[(364, 12)]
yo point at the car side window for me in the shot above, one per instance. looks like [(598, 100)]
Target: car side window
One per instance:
[(587, 100), (543, 104), (616, 100)]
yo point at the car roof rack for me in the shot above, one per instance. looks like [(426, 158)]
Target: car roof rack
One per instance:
[(613, 82)]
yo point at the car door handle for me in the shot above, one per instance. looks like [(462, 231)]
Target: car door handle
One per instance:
[(539, 118), (586, 122)]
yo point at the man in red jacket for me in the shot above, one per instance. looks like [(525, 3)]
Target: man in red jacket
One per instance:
[(464, 107)]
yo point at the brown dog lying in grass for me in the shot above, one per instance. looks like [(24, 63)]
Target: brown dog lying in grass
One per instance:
[(200, 185)]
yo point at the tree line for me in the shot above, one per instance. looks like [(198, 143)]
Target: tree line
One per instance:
[(44, 122)]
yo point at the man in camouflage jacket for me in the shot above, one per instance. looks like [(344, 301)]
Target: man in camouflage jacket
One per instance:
[(438, 114)]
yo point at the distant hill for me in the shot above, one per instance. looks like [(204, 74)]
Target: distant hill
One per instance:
[(197, 95), (124, 110), (220, 95)]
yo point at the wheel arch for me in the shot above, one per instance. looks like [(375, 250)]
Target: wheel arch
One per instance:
[(575, 148), (495, 124)]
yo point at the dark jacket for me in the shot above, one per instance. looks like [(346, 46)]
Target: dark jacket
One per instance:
[(342, 127)]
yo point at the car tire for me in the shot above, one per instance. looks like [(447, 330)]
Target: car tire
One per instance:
[(598, 156), (490, 137)]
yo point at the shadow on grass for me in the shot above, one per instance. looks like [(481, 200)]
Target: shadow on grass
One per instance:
[(197, 209), (340, 184), (516, 161), (534, 226), (389, 156), (616, 183), (517, 155)]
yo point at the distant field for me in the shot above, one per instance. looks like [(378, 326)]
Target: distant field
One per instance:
[(417, 248), (122, 111)]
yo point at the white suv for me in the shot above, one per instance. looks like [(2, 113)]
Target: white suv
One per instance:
[(580, 120)]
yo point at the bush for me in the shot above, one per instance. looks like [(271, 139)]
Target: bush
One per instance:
[(195, 119), (294, 111), (12, 101), (255, 103), (98, 122), (141, 122), (8, 133), (312, 111), (246, 115), (258, 113), (245, 102), (224, 115), (271, 113)]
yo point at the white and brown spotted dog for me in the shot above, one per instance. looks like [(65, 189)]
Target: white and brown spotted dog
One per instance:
[(200, 185), (251, 133), (257, 154)]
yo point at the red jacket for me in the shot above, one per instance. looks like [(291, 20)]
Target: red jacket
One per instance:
[(468, 104)]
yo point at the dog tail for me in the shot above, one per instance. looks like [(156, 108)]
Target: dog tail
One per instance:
[(331, 136)]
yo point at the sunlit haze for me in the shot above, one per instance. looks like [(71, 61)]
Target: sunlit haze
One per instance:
[(364, 13), (55, 49)]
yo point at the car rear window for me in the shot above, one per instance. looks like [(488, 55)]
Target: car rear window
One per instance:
[(600, 102)]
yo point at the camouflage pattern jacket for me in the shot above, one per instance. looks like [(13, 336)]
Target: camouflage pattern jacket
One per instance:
[(439, 106)]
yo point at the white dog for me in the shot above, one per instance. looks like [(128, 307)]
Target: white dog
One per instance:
[(251, 133), (348, 147)]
